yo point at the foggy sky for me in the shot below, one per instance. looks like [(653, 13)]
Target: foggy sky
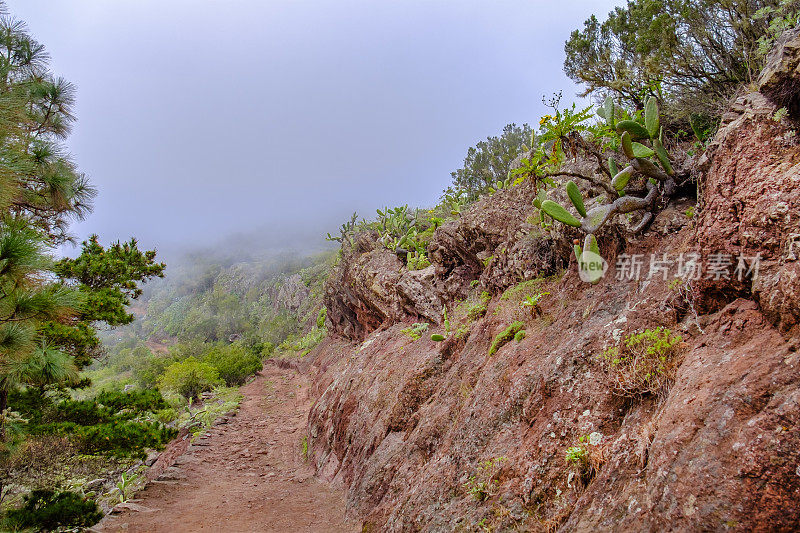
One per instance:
[(276, 119)]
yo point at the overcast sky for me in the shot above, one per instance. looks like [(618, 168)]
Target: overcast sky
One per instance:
[(201, 119)]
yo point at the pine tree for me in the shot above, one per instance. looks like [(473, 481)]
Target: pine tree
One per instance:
[(490, 160), (109, 279), (27, 299), (691, 54), (39, 182), (48, 310)]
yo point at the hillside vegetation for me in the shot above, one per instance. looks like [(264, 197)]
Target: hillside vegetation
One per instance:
[(89, 393), (606, 338), (593, 328)]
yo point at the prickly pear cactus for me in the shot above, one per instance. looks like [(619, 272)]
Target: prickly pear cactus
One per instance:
[(641, 142)]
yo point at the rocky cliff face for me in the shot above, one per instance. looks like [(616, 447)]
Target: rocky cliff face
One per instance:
[(751, 190), (492, 245), (407, 426)]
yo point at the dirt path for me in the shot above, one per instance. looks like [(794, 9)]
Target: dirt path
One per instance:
[(246, 475)]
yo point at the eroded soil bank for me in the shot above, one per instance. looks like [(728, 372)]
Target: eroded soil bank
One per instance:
[(474, 434)]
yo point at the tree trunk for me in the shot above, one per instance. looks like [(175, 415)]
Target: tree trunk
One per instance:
[(3, 406)]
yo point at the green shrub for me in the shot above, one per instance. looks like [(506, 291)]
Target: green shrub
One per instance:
[(484, 482), (199, 419), (533, 300), (416, 330), (46, 510), (165, 416), (577, 455), (587, 457), (490, 161), (31, 403), (643, 363), (139, 400), (63, 429), (275, 329), (477, 309), (267, 349), (304, 344), (125, 437), (505, 336), (106, 406), (417, 261), (121, 438), (189, 378), (304, 447), (84, 412), (522, 289), (462, 331), (147, 371), (233, 362)]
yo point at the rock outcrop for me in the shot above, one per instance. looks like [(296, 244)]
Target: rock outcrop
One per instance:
[(370, 288), (407, 425), (292, 293), (751, 195), (492, 243)]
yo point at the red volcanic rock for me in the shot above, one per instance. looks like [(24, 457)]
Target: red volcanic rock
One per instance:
[(405, 425)]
